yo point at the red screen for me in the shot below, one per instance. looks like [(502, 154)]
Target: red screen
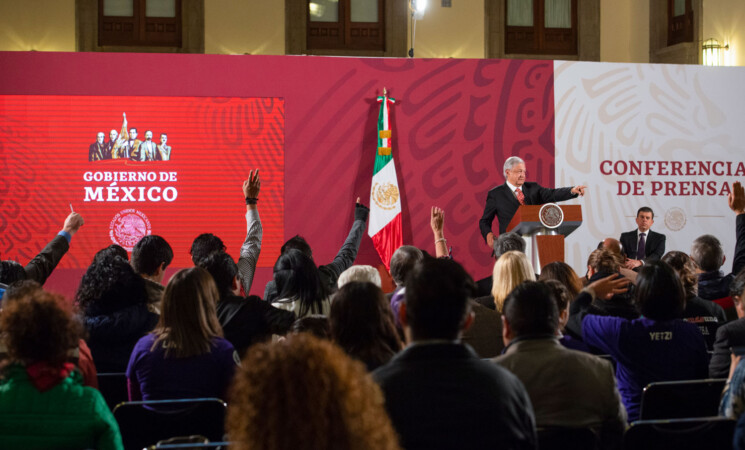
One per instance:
[(189, 185)]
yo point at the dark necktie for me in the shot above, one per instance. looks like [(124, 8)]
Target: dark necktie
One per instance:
[(520, 196), (641, 248)]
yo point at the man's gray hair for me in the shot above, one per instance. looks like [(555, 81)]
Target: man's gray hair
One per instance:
[(707, 253), (403, 260), (507, 242), (511, 162)]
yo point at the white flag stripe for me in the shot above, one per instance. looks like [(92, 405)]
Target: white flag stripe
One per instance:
[(379, 217)]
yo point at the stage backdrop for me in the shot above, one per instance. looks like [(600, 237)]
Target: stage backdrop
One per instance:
[(454, 123), (665, 136)]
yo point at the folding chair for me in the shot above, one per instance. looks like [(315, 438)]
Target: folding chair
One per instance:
[(710, 433), (113, 387), (681, 399), (144, 423)]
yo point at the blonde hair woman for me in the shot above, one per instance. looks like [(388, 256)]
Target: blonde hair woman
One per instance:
[(511, 269)]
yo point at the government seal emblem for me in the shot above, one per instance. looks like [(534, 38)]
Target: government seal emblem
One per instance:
[(551, 215), (675, 219), (385, 195), (128, 227)]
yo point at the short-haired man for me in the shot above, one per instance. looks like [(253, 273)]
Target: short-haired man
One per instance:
[(731, 334), (502, 201), (150, 258), (245, 321), (39, 268), (438, 392), (164, 150), (642, 245), (708, 254), (567, 388)]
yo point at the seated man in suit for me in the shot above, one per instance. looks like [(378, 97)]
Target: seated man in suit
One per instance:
[(438, 392), (567, 388), (642, 245), (731, 334), (708, 254), (503, 201)]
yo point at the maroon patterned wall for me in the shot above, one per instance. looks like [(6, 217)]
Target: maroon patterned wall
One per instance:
[(455, 122)]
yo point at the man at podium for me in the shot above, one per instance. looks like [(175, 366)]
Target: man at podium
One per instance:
[(503, 201)]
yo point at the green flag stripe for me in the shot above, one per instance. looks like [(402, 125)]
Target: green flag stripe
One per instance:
[(381, 160)]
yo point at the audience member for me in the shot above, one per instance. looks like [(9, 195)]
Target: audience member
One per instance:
[(437, 223), (438, 392), (611, 244), (42, 401), (511, 269), (709, 256), (113, 301), (305, 392), (251, 247), (299, 283), (563, 299), (150, 257), (505, 242), (315, 324), (602, 264), (362, 324), (42, 265), (360, 273), (186, 355), (204, 245), (731, 334), (564, 274), (403, 260), (329, 273), (658, 346), (567, 388), (79, 355), (705, 314), (111, 251), (244, 321)]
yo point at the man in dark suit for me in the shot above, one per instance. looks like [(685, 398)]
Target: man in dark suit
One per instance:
[(731, 334), (438, 392), (642, 245), (503, 201)]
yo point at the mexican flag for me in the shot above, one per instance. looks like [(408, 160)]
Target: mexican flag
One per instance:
[(385, 198)]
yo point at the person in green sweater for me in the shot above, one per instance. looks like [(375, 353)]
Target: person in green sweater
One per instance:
[(43, 403)]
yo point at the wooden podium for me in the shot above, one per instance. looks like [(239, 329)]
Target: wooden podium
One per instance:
[(544, 245)]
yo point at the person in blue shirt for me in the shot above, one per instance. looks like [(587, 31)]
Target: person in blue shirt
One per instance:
[(658, 346)]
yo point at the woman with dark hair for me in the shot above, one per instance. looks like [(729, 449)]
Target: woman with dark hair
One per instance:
[(362, 324), (113, 301), (42, 401), (705, 314), (186, 355), (658, 346), (336, 405), (299, 285)]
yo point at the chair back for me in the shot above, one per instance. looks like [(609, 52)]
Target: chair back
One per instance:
[(710, 433), (144, 423), (561, 438), (113, 387), (681, 399)]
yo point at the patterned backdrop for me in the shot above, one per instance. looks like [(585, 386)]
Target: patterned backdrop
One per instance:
[(454, 124)]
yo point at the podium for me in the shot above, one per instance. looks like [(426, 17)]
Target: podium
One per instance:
[(545, 243)]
